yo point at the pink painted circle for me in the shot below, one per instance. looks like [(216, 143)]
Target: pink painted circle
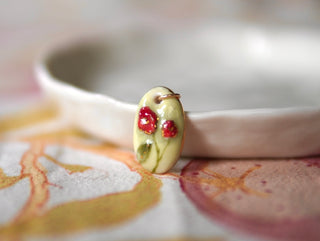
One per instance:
[(277, 199)]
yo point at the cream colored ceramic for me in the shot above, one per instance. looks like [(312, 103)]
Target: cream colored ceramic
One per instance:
[(158, 130), (248, 92)]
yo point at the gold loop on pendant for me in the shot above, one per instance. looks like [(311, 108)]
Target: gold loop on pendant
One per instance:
[(160, 98)]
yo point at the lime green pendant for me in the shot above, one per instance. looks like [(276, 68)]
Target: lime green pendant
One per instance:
[(159, 130)]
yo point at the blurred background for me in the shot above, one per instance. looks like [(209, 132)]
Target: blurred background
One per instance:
[(201, 49), (26, 26)]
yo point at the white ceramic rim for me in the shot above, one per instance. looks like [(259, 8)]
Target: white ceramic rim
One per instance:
[(252, 133)]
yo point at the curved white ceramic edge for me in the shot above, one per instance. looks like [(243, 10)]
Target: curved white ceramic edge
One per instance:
[(261, 133)]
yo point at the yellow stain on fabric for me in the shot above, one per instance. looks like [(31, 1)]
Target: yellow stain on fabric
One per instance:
[(104, 211), (7, 181), (71, 168), (28, 117), (57, 137)]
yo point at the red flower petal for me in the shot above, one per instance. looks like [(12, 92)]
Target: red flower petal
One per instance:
[(169, 129), (147, 120)]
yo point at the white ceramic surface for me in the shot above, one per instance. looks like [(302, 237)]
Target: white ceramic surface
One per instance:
[(248, 92)]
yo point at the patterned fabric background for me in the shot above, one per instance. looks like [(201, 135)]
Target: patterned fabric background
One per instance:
[(57, 183)]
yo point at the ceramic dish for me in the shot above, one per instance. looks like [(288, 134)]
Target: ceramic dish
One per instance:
[(247, 92)]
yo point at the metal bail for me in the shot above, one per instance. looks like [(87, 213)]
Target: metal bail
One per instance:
[(159, 130)]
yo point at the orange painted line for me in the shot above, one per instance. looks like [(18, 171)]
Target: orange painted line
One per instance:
[(39, 192)]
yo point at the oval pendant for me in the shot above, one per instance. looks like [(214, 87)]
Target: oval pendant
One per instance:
[(159, 130)]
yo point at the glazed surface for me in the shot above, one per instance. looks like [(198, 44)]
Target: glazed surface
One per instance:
[(158, 131)]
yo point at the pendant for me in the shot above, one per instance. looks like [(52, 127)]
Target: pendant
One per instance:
[(159, 130)]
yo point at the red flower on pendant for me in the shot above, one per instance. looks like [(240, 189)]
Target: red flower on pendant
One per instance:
[(147, 120), (169, 129)]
